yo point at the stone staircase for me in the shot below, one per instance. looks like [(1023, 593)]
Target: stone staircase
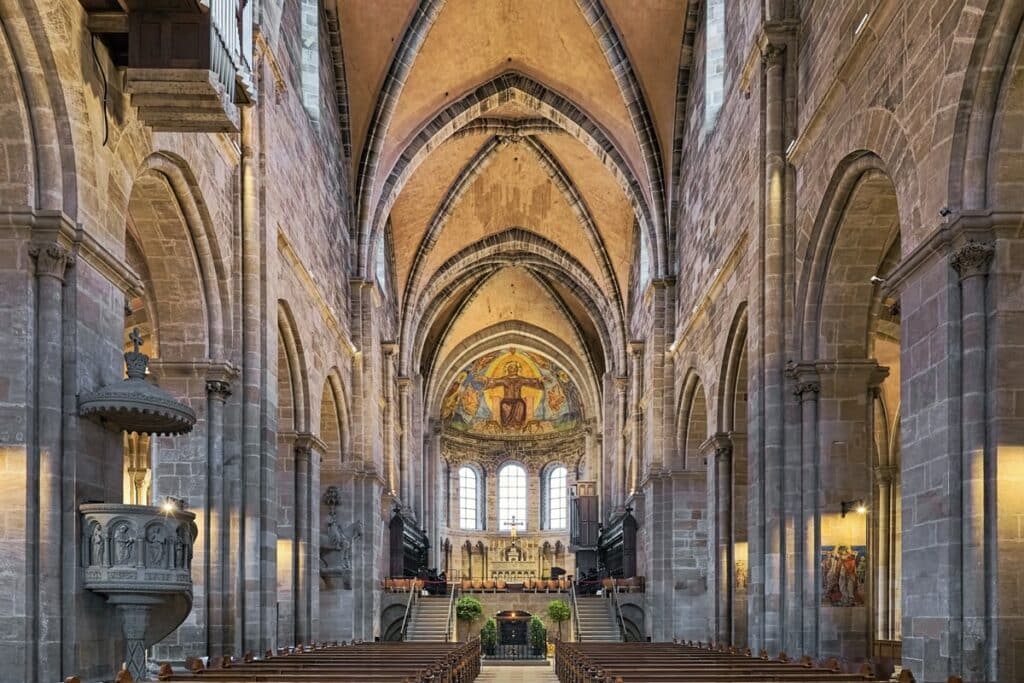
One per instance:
[(429, 619), (597, 623)]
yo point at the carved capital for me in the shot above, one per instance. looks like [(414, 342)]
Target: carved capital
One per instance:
[(723, 446), (218, 389), (404, 383), (772, 55), (885, 474), (389, 348), (52, 260), (806, 390), (973, 259), (620, 385)]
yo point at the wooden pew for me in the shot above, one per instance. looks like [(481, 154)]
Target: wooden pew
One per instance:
[(357, 663), (666, 662)]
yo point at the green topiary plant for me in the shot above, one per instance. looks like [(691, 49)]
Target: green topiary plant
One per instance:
[(558, 611), (468, 608), (538, 635), (489, 636)]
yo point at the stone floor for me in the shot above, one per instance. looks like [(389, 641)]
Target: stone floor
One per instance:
[(516, 674)]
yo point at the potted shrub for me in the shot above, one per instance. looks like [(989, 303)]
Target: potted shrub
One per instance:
[(468, 609), (558, 611), (538, 636), (489, 636)]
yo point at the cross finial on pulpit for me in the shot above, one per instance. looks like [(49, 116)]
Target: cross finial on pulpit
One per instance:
[(136, 339)]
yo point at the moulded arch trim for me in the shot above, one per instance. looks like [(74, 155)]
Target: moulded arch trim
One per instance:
[(296, 365), (54, 171), (336, 387), (735, 346), (831, 213), (471, 171), (199, 225), (692, 384), (513, 247), (507, 87), (516, 334), (997, 38), (492, 265)]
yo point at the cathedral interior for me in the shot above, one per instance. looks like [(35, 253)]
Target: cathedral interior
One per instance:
[(701, 316)]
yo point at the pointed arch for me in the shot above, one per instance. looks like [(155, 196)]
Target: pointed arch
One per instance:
[(295, 357), (511, 86), (861, 172), (470, 172), (692, 427), (525, 248), (997, 38), (335, 431), (735, 347)]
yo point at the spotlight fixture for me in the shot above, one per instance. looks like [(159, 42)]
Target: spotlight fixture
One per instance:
[(945, 211), (858, 506), (875, 280), (172, 505)]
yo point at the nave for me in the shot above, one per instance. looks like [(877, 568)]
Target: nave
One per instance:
[(439, 324)]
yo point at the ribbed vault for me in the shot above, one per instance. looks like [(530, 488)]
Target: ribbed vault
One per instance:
[(514, 151)]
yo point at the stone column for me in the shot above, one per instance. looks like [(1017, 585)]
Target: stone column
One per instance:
[(51, 261), (216, 523), (774, 349), (723, 538), (636, 350), (619, 484), (435, 492), (249, 589), (972, 262), (806, 391), (885, 510), (389, 349), (302, 562), (404, 429)]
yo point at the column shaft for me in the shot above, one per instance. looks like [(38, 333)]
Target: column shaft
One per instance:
[(216, 525), (972, 262), (774, 344), (51, 262)]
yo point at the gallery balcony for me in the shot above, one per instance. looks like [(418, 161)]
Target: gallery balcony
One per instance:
[(188, 61), (140, 559)]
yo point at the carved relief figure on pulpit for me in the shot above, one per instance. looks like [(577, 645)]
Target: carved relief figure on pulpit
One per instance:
[(156, 546), (124, 544), (97, 545), (513, 407)]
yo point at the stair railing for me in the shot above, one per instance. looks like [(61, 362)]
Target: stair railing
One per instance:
[(408, 606), (451, 611), (618, 610), (575, 611)]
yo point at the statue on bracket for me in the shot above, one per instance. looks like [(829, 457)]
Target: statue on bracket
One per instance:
[(336, 546)]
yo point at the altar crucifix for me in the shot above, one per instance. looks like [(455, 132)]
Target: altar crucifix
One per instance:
[(512, 524)]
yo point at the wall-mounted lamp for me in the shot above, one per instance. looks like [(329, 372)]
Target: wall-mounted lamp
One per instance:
[(857, 506)]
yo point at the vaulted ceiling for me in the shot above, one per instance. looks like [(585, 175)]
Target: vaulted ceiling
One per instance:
[(515, 149)]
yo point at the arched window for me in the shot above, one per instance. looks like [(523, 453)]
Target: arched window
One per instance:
[(556, 489), (469, 511), (714, 59), (512, 498), (310, 63)]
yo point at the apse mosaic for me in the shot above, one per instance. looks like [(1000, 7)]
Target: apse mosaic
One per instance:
[(512, 392)]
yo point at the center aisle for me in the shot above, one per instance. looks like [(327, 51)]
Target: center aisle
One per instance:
[(516, 674)]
